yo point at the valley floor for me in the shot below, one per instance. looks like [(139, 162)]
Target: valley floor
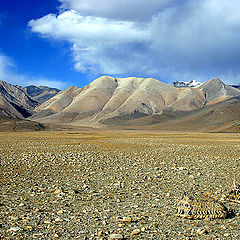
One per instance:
[(93, 184)]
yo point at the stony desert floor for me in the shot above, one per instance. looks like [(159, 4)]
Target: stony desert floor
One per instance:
[(113, 185)]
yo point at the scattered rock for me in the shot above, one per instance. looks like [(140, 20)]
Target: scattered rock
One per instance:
[(126, 219), (115, 236), (226, 234), (202, 231), (135, 232), (14, 229)]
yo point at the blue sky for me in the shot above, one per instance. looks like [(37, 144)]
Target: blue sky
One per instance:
[(71, 42)]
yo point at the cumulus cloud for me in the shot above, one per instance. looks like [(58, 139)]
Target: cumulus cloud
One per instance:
[(9, 74), (178, 40), (98, 44)]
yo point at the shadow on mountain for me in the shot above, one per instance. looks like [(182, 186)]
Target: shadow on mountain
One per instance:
[(220, 117)]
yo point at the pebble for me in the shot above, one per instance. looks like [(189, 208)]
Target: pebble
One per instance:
[(126, 219), (29, 227), (226, 234), (201, 231), (115, 236), (47, 222), (58, 191), (135, 232), (58, 220), (14, 229)]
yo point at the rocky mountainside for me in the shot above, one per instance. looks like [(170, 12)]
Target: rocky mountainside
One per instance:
[(220, 117), (40, 93), (20, 102), (108, 97), (14, 102), (216, 91), (109, 100)]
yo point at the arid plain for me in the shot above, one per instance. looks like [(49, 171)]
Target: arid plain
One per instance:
[(114, 184)]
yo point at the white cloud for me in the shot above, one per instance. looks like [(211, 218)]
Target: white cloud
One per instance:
[(9, 74), (123, 9), (97, 43), (176, 41)]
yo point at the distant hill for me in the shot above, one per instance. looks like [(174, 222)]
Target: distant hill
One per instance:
[(20, 102), (216, 91), (220, 117), (10, 124), (110, 102), (14, 102), (40, 93), (109, 97)]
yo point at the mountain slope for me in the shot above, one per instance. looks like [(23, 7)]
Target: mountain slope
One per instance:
[(14, 102), (109, 97), (40, 94), (219, 117), (110, 101), (216, 91), (57, 103)]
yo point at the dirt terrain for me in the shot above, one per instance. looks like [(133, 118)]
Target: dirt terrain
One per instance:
[(114, 184)]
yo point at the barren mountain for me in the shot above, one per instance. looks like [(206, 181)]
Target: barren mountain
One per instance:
[(219, 117), (20, 102), (110, 101), (57, 103), (14, 102), (109, 97), (216, 91), (40, 93)]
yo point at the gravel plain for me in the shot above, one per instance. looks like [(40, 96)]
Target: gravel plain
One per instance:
[(114, 185)]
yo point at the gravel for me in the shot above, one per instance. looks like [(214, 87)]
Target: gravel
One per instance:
[(113, 185)]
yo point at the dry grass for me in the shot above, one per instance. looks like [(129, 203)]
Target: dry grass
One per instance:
[(91, 184)]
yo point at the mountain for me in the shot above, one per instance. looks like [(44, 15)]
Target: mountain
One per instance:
[(136, 102), (57, 103), (192, 83), (220, 117), (110, 101), (216, 91), (40, 93), (14, 102), (19, 102), (109, 97)]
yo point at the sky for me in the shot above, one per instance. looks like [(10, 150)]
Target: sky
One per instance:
[(60, 43)]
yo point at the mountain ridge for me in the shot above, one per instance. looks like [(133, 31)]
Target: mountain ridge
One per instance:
[(16, 102), (129, 98), (108, 101)]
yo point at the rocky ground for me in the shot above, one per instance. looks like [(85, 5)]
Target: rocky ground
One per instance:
[(113, 185)]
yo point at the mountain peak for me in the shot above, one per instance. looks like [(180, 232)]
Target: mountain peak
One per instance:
[(215, 89), (216, 80)]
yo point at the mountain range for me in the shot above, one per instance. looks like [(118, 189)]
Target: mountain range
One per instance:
[(127, 102)]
